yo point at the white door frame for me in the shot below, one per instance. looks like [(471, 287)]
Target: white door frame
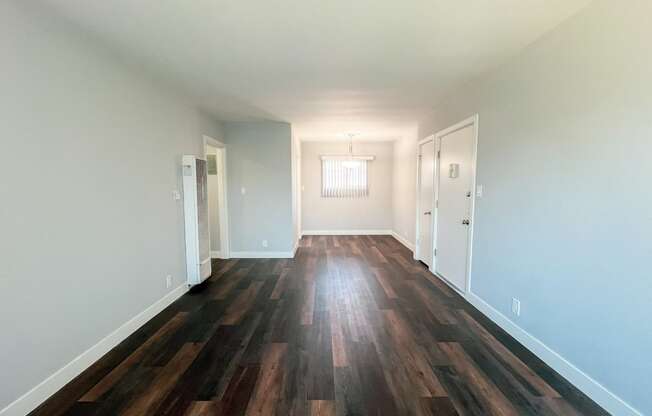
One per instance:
[(430, 138), (223, 206), (471, 121)]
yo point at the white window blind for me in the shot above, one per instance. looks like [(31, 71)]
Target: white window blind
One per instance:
[(344, 178)]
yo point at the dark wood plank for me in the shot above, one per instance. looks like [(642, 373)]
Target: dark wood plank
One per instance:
[(351, 326), (437, 406), (139, 354), (319, 378), (267, 391), (235, 399), (147, 402), (478, 382)]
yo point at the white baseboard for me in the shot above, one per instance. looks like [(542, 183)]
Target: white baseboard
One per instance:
[(403, 241), (296, 247), (262, 254), (33, 398), (346, 232), (600, 394), (216, 255)]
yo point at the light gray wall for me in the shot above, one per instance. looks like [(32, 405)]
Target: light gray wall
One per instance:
[(565, 223), (371, 213), (259, 159), (404, 186), (90, 153)]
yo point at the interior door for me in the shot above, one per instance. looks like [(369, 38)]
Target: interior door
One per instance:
[(426, 197), (455, 180)]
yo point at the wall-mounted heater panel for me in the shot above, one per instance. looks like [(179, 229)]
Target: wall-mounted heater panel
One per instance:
[(195, 207)]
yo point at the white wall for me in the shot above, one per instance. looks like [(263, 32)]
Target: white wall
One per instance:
[(331, 214), (90, 152), (404, 187), (259, 160), (565, 138)]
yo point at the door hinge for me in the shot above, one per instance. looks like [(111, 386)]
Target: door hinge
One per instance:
[(435, 252), (438, 154)]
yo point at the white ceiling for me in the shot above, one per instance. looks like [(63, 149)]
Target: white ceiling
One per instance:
[(327, 66)]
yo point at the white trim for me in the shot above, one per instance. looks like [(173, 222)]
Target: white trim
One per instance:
[(41, 392), (225, 236), (457, 126), (346, 232), (424, 141), (346, 157), (262, 254), (216, 255), (448, 283), (471, 121), (223, 203), (403, 240), (296, 247), (600, 394), (296, 191), (210, 141), (417, 205)]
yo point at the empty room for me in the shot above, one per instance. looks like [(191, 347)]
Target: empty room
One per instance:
[(351, 208)]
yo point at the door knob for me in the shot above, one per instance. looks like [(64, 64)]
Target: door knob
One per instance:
[(427, 213), (466, 222)]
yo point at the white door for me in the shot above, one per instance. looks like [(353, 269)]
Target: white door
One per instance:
[(426, 197), (455, 177)]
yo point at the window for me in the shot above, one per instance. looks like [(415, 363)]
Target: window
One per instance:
[(344, 177)]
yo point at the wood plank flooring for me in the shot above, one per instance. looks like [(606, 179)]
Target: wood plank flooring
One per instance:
[(350, 326)]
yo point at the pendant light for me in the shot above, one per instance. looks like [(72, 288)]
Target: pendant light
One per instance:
[(351, 162)]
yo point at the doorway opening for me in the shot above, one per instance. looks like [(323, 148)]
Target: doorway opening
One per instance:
[(215, 153)]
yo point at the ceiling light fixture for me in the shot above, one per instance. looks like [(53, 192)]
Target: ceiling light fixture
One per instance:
[(351, 162)]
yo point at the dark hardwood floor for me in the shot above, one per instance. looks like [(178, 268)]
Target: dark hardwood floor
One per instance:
[(351, 326)]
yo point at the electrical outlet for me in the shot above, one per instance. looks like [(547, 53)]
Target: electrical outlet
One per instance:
[(168, 281), (176, 195), (264, 243), (516, 307)]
